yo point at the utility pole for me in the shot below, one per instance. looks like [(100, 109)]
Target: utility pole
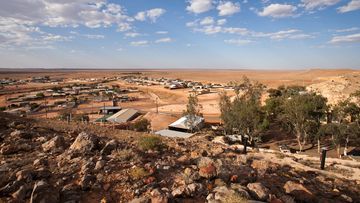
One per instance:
[(157, 105), (103, 118)]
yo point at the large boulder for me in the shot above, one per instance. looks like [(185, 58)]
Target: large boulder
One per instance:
[(207, 168), (55, 144), (299, 191), (85, 142), (43, 193), (258, 191)]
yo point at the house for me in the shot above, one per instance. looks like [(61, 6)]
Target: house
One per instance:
[(184, 125), (110, 109), (123, 116)]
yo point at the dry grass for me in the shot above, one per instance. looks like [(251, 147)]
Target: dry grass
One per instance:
[(124, 155), (235, 198), (138, 173)]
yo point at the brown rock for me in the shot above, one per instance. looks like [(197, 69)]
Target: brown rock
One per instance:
[(85, 143), (56, 143), (299, 191), (258, 191), (43, 192)]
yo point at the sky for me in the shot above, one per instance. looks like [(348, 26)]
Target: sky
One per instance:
[(189, 34)]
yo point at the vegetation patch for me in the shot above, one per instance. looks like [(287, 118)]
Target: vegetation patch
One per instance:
[(150, 143)]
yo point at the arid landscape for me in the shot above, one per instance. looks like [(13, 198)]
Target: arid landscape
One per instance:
[(59, 145)]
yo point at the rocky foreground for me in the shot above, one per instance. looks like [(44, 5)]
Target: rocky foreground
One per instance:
[(48, 161)]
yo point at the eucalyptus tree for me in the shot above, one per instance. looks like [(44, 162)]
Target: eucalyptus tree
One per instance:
[(244, 113), (300, 111), (192, 111)]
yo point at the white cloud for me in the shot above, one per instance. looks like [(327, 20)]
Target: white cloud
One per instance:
[(162, 32), (236, 30), (199, 6), (348, 29), (52, 37), (139, 43), (132, 34), (164, 40), (318, 4), (228, 8), (278, 11), (207, 21), (351, 6), (94, 36), (238, 41), (221, 21), (152, 14), (141, 16), (214, 29), (284, 34), (345, 39), (24, 17)]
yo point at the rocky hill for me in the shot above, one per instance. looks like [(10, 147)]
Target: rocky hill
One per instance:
[(50, 161)]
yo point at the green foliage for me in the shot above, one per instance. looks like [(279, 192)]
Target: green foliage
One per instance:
[(150, 142), (40, 95), (245, 113), (2, 108), (142, 125), (303, 113), (192, 110)]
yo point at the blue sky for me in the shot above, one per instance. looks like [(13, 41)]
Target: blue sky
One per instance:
[(221, 34)]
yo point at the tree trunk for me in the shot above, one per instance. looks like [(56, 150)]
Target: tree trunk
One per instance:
[(318, 143), (346, 145), (338, 150), (298, 136)]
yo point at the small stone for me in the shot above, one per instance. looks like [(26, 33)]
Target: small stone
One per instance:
[(99, 165)]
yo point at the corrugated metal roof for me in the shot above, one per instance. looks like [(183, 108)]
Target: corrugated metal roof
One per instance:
[(173, 133), (110, 108), (184, 124), (123, 116)]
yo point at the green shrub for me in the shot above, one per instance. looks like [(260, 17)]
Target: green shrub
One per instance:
[(138, 173), (40, 95), (150, 142), (142, 125), (2, 108)]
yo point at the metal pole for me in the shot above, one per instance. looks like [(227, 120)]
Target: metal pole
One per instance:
[(245, 144), (323, 156)]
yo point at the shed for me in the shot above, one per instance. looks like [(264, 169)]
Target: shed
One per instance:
[(124, 116), (184, 125), (110, 109)]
